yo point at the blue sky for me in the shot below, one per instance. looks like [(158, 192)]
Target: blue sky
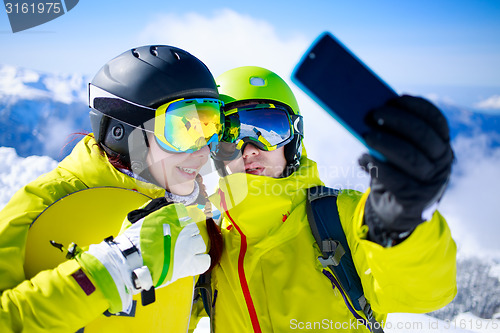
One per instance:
[(449, 48)]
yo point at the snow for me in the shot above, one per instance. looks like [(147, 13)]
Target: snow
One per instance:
[(495, 272), (476, 324), (20, 83), (39, 111), (464, 322), (471, 198), (17, 171), (419, 323), (203, 326), (15, 82), (249, 130)]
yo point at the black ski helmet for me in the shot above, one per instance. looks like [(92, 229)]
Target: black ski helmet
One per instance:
[(147, 76)]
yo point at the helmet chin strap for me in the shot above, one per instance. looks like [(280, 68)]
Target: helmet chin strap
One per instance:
[(138, 163), (290, 168), (292, 156)]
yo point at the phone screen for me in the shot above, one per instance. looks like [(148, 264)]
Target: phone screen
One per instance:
[(340, 83)]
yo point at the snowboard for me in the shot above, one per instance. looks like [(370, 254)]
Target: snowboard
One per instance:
[(77, 218)]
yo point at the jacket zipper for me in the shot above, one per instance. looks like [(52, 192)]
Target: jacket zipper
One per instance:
[(335, 283), (241, 269)]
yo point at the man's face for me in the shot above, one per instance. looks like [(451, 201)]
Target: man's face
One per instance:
[(259, 162)]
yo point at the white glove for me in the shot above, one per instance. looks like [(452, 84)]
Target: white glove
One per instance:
[(160, 245)]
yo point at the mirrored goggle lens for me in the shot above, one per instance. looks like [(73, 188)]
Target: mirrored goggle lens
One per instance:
[(188, 125), (265, 127)]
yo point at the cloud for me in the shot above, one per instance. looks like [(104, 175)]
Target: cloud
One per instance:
[(21, 83), (67, 89), (438, 98), (471, 202), (226, 39), (16, 171), (15, 82), (491, 103), (57, 135)]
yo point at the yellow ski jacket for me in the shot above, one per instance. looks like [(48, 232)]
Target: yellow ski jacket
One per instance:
[(52, 300), (269, 278)]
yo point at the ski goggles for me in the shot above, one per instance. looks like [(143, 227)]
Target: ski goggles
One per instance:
[(266, 126), (182, 125)]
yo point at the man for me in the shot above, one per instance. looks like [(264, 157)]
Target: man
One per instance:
[(269, 278)]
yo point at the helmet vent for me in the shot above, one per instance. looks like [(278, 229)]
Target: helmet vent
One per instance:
[(177, 56), (154, 51), (135, 53), (257, 81)]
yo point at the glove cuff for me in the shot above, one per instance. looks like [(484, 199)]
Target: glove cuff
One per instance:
[(106, 281), (117, 261), (379, 232)]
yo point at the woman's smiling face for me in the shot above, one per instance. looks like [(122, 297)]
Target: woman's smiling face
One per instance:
[(176, 172)]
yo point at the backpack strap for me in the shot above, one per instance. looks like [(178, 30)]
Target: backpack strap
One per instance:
[(203, 289), (332, 249), (324, 220)]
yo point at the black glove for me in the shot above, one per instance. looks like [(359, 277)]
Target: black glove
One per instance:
[(413, 135)]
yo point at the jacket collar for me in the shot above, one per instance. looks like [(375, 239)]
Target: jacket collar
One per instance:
[(90, 165), (259, 205)]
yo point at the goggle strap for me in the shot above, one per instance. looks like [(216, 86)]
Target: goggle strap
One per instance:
[(297, 124), (96, 92)]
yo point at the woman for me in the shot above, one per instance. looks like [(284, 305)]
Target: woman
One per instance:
[(155, 117)]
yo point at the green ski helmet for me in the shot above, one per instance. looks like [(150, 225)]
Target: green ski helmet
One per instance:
[(252, 83)]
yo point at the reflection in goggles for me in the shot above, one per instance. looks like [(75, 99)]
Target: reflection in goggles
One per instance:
[(267, 126), (188, 125), (184, 125)]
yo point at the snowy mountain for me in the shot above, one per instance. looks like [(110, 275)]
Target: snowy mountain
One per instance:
[(40, 111), (478, 283), (468, 123), (251, 131)]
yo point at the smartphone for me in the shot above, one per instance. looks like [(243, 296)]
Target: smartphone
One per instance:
[(341, 84)]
